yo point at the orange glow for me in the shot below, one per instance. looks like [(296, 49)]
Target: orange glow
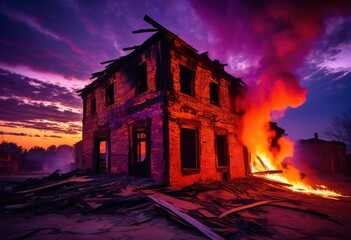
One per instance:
[(33, 137), (275, 93)]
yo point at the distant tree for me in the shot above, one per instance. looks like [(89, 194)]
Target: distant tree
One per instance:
[(12, 148), (65, 152), (51, 149), (340, 129), (36, 154)]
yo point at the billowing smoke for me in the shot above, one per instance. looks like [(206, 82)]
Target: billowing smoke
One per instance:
[(266, 42)]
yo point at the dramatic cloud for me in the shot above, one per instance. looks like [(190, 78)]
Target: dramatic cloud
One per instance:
[(71, 37), (56, 127), (28, 103), (14, 110), (16, 134), (15, 85)]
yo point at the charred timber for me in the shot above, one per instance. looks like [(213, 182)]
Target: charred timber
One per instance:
[(145, 30), (262, 163), (268, 172), (130, 48)]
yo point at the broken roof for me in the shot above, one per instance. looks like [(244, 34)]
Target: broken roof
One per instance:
[(115, 64)]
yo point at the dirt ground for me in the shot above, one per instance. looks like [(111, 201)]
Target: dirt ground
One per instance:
[(334, 222)]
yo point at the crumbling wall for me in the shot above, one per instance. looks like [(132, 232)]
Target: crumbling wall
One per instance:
[(118, 118), (197, 111)]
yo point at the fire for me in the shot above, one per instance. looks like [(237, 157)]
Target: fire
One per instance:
[(290, 176), (276, 91)]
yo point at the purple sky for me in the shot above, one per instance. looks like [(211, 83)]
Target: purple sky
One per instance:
[(48, 49)]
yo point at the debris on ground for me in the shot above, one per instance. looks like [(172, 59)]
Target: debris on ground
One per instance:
[(234, 209)]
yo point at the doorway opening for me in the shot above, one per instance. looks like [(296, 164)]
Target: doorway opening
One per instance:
[(141, 154), (101, 156)]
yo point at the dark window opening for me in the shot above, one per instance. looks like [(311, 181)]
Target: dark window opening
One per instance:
[(189, 148), (93, 106), (141, 156), (186, 81), (222, 150), (142, 78), (110, 98), (234, 92), (214, 94), (84, 108)]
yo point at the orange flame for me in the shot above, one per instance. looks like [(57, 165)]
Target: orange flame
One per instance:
[(269, 97)]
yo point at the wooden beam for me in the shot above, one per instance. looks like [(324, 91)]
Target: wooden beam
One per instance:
[(145, 30), (262, 163), (247, 207), (109, 61), (184, 217), (272, 182), (56, 184), (268, 172), (130, 48), (154, 23)]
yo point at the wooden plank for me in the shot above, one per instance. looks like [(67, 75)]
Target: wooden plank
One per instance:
[(17, 206), (55, 184), (155, 24), (182, 204), (130, 48), (269, 181), (185, 217), (268, 172), (109, 61), (145, 30), (247, 207), (262, 163)]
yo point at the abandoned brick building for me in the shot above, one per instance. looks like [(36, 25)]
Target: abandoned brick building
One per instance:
[(163, 111)]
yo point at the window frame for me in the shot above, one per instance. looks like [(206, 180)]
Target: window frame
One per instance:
[(196, 169), (110, 90), (224, 135), (141, 77), (214, 86), (93, 105), (188, 73)]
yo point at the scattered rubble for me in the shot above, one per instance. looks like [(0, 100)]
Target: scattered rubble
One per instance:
[(214, 209)]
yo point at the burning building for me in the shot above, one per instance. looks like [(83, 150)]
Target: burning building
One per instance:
[(163, 111)]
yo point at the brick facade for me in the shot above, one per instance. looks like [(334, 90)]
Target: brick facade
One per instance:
[(142, 131)]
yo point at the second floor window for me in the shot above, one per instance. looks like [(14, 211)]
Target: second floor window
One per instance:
[(110, 98), (93, 106), (214, 94), (142, 79), (187, 81)]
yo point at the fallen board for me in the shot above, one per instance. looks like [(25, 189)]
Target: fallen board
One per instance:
[(247, 207), (184, 217), (55, 184)]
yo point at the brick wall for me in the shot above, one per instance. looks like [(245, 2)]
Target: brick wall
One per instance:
[(210, 117), (128, 107)]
